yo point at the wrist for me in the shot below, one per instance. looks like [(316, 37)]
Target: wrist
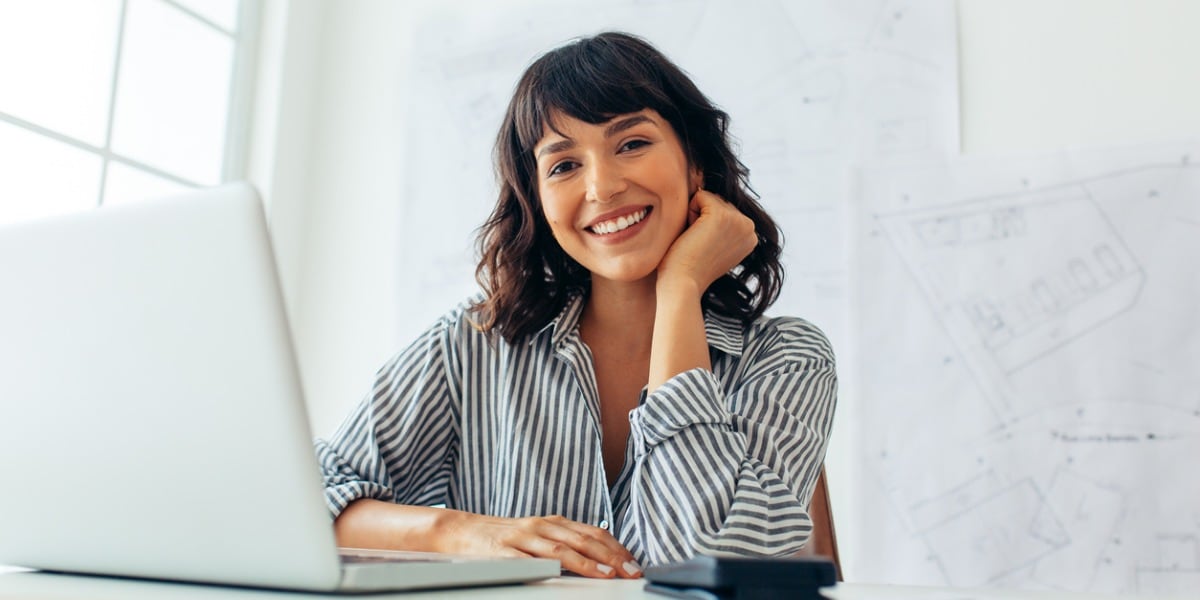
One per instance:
[(677, 286), (442, 529)]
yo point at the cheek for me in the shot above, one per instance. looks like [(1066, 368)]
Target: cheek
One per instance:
[(557, 212), (546, 203), (551, 214), (555, 218)]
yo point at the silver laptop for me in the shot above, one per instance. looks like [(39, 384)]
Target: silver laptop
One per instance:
[(151, 419)]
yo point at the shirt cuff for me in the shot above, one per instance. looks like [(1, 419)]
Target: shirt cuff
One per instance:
[(690, 398), (338, 497)]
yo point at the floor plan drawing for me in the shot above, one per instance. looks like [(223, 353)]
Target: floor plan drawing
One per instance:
[(1028, 330), (1003, 314)]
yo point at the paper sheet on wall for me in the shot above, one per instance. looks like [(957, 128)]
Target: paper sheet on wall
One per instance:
[(811, 86), (1030, 371)]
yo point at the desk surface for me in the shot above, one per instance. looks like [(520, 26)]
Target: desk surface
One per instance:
[(45, 586)]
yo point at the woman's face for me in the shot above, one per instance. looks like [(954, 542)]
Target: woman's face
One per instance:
[(616, 193)]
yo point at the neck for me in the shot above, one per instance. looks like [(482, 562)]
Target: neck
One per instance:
[(620, 314)]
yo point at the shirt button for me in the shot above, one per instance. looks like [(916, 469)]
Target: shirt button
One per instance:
[(604, 524)]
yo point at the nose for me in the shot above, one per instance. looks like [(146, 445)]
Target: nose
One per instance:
[(604, 180)]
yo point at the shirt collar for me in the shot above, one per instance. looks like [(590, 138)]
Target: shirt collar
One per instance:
[(723, 333), (566, 321)]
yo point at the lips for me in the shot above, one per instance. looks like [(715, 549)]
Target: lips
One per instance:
[(618, 220)]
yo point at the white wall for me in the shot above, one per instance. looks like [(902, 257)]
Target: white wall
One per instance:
[(1035, 74), (278, 156), (1038, 74), (321, 153), (345, 324)]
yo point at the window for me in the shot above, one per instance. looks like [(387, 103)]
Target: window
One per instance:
[(109, 101)]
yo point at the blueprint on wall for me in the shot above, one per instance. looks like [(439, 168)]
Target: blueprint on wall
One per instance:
[(1029, 351), (811, 86)]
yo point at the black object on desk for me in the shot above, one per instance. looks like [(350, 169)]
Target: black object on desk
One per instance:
[(720, 578)]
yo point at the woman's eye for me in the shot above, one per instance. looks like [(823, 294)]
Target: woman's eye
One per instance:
[(633, 145), (561, 168)]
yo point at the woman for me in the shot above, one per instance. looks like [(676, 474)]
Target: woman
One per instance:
[(615, 398)]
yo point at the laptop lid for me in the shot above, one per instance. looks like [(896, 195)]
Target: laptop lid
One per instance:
[(151, 421)]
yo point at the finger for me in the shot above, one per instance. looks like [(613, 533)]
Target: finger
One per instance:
[(694, 208), (599, 545), (705, 198), (705, 202), (554, 537), (594, 543), (571, 560), (602, 536), (615, 553), (512, 553)]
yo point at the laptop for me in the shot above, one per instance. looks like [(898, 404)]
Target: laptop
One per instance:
[(152, 423)]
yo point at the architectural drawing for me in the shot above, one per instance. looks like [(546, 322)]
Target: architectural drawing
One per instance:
[(1175, 565), (1028, 336), (1004, 531), (1002, 313)]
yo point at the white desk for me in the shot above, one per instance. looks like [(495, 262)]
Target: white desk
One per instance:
[(43, 586)]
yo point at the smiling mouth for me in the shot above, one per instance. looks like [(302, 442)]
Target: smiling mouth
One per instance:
[(619, 223)]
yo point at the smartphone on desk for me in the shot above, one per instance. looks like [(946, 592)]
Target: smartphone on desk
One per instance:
[(729, 578)]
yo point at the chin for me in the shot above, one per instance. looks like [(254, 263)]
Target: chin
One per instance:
[(628, 267), (629, 276)]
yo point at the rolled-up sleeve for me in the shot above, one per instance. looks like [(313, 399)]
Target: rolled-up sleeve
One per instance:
[(728, 468), (397, 443)]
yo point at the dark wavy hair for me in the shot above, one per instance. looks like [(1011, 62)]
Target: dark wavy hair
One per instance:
[(526, 276)]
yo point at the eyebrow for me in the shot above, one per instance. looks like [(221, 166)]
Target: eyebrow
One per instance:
[(624, 124), (609, 131), (558, 146)]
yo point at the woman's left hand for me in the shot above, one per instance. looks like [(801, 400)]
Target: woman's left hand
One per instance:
[(717, 238)]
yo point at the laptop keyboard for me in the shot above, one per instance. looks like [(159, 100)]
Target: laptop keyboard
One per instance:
[(363, 558)]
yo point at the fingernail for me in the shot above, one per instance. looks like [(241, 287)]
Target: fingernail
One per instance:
[(631, 567), (607, 570)]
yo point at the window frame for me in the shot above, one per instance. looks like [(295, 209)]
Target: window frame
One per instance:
[(242, 75)]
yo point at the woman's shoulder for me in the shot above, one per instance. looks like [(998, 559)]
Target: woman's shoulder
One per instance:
[(461, 321), (448, 336), (791, 335)]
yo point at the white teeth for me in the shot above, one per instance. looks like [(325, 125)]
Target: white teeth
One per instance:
[(619, 223)]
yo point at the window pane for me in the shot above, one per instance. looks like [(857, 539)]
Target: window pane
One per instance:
[(56, 63), (130, 184), (220, 12), (42, 176), (173, 92)]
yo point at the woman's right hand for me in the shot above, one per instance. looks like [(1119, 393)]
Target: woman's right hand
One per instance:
[(717, 238), (582, 549)]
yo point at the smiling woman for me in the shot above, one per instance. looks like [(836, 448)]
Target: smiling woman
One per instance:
[(615, 396)]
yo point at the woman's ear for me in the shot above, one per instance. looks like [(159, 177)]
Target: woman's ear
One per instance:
[(695, 180)]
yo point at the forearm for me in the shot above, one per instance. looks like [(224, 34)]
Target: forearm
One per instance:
[(717, 238), (584, 549), (679, 343), (369, 523)]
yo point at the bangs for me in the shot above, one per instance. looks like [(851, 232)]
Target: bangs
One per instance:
[(590, 80)]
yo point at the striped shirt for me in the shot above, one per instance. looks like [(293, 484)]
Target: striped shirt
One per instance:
[(717, 462)]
